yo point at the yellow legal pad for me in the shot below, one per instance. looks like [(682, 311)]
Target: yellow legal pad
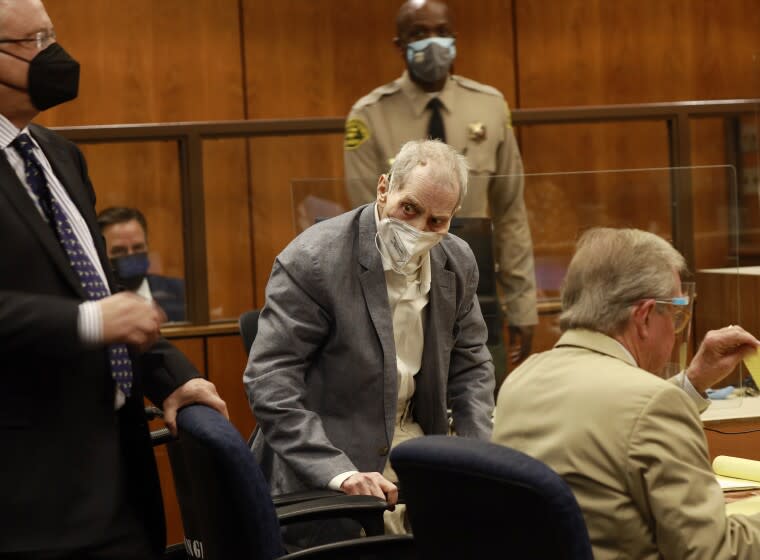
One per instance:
[(735, 473), (753, 365)]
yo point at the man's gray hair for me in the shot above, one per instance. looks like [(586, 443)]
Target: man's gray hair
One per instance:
[(611, 270), (448, 167)]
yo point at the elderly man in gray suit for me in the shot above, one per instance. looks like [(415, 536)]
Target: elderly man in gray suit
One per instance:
[(370, 331)]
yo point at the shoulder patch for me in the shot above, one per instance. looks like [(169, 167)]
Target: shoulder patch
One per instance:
[(357, 134)]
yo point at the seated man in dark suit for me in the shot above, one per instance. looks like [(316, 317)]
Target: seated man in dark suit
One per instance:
[(126, 233)]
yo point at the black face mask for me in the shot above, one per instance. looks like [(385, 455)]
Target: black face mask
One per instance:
[(130, 270), (53, 77)]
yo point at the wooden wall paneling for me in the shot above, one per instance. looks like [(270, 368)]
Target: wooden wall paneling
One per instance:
[(317, 58), (194, 349), (748, 179), (144, 175), (581, 52), (226, 363), (725, 299), (562, 203), (229, 230), (275, 162), (713, 195), (485, 44), (147, 61)]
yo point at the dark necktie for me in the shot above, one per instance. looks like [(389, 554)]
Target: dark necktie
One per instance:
[(92, 283), (435, 126)]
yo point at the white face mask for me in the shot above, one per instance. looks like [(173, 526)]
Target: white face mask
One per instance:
[(402, 243)]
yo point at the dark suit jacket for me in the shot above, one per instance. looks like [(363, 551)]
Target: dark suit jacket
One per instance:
[(322, 375), (169, 293), (69, 461)]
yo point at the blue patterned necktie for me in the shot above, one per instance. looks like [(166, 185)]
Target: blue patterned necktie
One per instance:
[(92, 283)]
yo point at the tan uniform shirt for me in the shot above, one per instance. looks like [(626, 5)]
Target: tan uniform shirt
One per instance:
[(632, 448), (477, 123)]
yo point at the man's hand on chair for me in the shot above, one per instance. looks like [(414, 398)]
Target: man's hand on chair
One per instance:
[(371, 484), (195, 391)]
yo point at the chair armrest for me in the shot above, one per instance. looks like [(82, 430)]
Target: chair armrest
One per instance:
[(161, 436), (365, 510), (398, 547), (303, 496), (153, 412)]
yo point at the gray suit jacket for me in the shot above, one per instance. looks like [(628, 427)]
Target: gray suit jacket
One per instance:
[(321, 377)]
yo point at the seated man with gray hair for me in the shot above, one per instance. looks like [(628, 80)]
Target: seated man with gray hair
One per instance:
[(370, 330), (629, 443)]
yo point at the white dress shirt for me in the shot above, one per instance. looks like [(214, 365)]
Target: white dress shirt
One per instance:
[(408, 297)]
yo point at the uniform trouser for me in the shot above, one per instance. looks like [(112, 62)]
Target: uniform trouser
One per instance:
[(396, 521)]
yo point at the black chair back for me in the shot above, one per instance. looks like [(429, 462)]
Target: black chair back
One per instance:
[(478, 234), (475, 499), (249, 326)]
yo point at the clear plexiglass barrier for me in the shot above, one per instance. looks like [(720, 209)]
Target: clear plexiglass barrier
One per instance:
[(694, 208)]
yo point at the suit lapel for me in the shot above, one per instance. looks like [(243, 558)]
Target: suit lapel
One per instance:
[(372, 278), (20, 200), (442, 300), (441, 313)]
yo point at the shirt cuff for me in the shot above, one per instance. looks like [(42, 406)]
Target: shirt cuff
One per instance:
[(338, 480), (90, 323), (682, 380)]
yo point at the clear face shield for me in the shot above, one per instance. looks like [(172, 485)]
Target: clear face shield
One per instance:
[(681, 309)]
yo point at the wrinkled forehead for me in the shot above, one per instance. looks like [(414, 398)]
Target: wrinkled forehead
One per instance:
[(434, 186), (21, 18)]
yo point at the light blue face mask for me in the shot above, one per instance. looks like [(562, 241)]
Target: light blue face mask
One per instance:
[(429, 59)]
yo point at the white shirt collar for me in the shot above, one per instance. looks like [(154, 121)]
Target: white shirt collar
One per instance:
[(9, 132)]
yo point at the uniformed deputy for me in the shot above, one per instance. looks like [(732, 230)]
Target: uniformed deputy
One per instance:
[(428, 101)]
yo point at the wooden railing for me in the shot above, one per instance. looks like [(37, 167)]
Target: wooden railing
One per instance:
[(190, 136)]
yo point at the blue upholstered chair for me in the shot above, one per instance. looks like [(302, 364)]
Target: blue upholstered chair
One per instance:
[(227, 511), (474, 499)]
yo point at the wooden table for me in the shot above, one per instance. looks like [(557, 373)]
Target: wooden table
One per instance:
[(739, 422)]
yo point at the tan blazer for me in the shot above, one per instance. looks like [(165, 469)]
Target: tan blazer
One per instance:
[(630, 445)]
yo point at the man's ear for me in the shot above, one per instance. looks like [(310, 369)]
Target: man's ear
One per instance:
[(382, 188), (642, 317), (399, 44)]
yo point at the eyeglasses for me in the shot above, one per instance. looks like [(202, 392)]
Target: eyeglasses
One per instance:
[(679, 307), (42, 39)]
